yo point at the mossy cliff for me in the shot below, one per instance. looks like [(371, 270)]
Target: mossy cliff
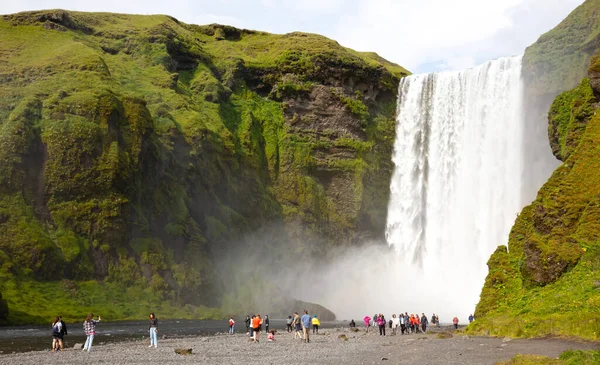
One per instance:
[(134, 150), (555, 63), (548, 280)]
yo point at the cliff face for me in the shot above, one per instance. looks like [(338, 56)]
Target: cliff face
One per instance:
[(547, 281), (135, 150)]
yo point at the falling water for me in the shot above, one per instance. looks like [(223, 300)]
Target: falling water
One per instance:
[(456, 187)]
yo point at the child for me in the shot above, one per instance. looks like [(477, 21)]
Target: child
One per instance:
[(271, 336)]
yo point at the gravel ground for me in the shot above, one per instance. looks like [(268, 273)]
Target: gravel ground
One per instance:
[(325, 348)]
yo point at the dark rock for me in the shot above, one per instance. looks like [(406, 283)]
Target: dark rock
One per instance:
[(183, 351), (3, 308), (343, 337)]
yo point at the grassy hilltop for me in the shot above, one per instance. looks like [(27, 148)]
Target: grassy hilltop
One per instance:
[(138, 151)]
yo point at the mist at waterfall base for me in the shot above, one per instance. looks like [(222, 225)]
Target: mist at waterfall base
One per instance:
[(455, 193), (456, 190)]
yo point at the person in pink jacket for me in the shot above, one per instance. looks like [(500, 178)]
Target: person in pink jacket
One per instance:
[(455, 322), (381, 322), (367, 320)]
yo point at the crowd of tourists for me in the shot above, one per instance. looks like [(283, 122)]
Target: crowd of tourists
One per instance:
[(300, 326)]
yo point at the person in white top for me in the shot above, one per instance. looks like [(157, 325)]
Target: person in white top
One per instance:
[(395, 324)]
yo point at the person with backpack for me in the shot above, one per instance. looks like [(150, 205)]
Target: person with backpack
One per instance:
[(62, 333), (89, 328), (152, 328), (288, 322), (231, 326), (315, 324), (56, 328), (455, 322)]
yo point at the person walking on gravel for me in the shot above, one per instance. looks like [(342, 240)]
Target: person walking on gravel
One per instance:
[(297, 326), (153, 329), (89, 328), (316, 324), (256, 321), (424, 323), (56, 328), (306, 320)]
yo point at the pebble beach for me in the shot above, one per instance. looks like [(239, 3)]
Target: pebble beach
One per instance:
[(331, 346)]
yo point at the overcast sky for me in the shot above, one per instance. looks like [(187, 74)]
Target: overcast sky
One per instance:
[(421, 35)]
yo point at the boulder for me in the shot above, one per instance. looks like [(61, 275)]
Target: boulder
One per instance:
[(183, 351)]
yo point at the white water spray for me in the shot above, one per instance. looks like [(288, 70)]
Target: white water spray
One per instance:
[(456, 188)]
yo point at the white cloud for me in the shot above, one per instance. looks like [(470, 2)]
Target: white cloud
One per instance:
[(422, 35), (440, 34)]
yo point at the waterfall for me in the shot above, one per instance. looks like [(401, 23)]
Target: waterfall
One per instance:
[(456, 187)]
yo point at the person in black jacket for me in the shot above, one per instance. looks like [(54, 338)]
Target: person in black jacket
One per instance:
[(266, 323), (248, 324), (62, 333)]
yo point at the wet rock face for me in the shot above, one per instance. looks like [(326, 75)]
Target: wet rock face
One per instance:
[(3, 308)]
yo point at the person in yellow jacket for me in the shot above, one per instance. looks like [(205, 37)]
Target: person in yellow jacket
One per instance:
[(315, 324)]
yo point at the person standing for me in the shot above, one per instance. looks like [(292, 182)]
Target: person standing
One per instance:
[(153, 328), (402, 323), (315, 324), (471, 318), (89, 328), (248, 324), (256, 321), (395, 324), (424, 323), (251, 332), (266, 323), (381, 323), (297, 325), (455, 322), (231, 326), (306, 320), (367, 321), (288, 322), (62, 333), (56, 328)]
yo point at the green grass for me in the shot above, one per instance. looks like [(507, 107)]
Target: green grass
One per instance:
[(547, 283), (566, 358), (134, 148), (559, 59)]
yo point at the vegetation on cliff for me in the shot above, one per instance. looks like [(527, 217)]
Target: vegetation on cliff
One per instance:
[(137, 150), (566, 358), (548, 280), (560, 57)]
